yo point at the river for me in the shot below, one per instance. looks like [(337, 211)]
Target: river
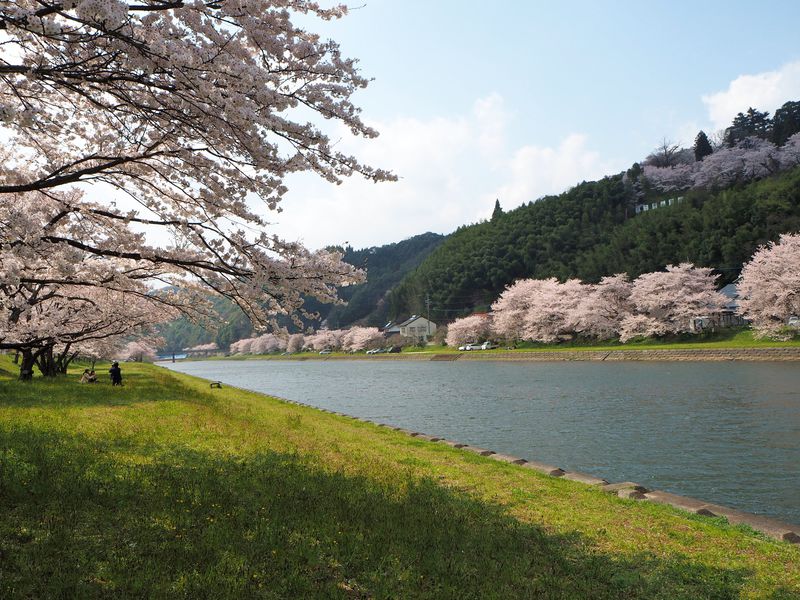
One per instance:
[(727, 433)]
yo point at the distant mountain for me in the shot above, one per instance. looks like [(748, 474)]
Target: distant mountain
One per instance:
[(385, 267), (182, 333)]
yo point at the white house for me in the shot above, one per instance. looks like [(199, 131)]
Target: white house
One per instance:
[(417, 327)]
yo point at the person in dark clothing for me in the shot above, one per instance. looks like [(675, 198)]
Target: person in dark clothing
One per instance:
[(116, 374)]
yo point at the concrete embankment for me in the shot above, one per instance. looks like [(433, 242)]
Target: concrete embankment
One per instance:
[(682, 355), (773, 528), (721, 354)]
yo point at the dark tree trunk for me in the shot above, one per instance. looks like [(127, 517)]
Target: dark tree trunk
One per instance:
[(47, 362), (63, 360), (26, 368)]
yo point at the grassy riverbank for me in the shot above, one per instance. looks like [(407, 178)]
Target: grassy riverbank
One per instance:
[(731, 339), (166, 488)]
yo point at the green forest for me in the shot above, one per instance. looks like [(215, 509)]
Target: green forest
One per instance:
[(591, 231)]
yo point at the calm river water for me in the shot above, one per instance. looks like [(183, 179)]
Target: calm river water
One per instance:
[(727, 433)]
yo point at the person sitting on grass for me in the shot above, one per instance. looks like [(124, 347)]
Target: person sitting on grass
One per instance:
[(92, 376), (86, 377), (116, 374)]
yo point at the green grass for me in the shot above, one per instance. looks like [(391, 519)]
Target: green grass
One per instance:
[(730, 338), (734, 338), (165, 488)]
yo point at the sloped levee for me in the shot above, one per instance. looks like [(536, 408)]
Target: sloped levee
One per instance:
[(773, 528)]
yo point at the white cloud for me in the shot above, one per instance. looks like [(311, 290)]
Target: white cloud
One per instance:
[(685, 133), (451, 169), (536, 171), (763, 91)]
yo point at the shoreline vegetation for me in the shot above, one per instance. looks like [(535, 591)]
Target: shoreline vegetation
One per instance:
[(734, 340), (165, 487)]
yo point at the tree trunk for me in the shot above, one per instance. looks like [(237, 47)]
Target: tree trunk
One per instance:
[(26, 368), (63, 360), (47, 362)]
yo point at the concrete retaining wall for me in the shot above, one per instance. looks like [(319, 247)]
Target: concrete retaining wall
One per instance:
[(721, 354)]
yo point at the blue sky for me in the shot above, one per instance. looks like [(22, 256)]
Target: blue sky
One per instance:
[(514, 100)]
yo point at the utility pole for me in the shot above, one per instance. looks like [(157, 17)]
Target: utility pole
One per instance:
[(428, 307)]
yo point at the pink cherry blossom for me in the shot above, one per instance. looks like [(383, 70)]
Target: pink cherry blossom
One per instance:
[(196, 112), (769, 286), (474, 328)]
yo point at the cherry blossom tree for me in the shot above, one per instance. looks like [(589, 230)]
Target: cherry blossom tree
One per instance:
[(325, 339), (38, 319), (675, 178), (666, 302), (242, 346), (751, 158), (790, 152), (362, 338), (537, 309), (473, 328), (266, 343), (140, 350), (99, 349), (295, 343), (641, 326), (192, 110), (510, 309), (601, 310), (769, 286)]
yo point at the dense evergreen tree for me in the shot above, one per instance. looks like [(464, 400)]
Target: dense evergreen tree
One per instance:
[(702, 147), (497, 212), (786, 122), (753, 123)]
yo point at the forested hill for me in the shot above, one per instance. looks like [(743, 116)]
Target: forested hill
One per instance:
[(385, 266), (591, 231)]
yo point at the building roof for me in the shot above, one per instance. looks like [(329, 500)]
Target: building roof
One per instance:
[(732, 293), (413, 318), (391, 326)]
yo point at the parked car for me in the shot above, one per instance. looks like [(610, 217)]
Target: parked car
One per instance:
[(469, 346), (325, 351), (375, 351), (793, 322), (488, 346)]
